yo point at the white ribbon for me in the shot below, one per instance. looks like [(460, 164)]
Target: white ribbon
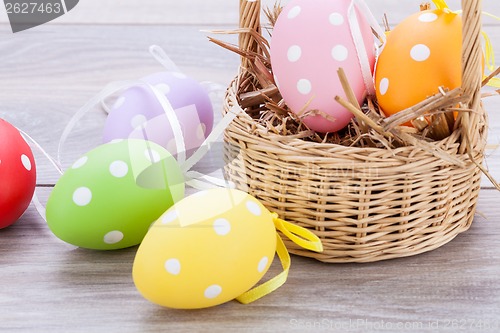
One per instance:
[(357, 36), (365, 10), (109, 90), (160, 56), (211, 138), (174, 123), (35, 200), (52, 160), (192, 178)]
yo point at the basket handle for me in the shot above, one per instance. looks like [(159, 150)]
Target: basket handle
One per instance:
[(471, 74), (471, 47), (249, 19)]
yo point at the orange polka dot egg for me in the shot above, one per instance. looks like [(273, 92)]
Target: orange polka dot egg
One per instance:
[(421, 54), (208, 249)]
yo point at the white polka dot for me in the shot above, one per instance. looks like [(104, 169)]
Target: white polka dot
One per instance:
[(304, 86), (173, 266), (113, 237), (116, 141), (336, 19), (384, 86), (152, 155), (222, 227), (294, 12), (254, 208), (119, 102), (81, 162), (340, 53), (138, 120), (420, 52), (200, 131), (172, 146), (118, 169), (26, 162), (428, 17), (82, 196), (294, 53), (169, 217), (163, 87), (263, 264), (179, 75), (213, 291)]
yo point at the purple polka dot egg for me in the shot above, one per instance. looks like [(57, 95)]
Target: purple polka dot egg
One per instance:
[(310, 42), (138, 114), (110, 196)]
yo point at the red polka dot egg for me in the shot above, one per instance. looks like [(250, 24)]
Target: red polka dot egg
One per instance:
[(421, 54), (17, 174), (311, 40), (208, 249)]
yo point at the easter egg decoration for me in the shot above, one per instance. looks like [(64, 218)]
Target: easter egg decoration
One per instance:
[(210, 248), (110, 196), (17, 174), (138, 114), (421, 54), (311, 40)]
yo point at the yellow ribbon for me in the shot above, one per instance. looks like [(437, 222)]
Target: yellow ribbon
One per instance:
[(489, 53), (440, 4), (490, 57), (273, 284), (299, 236)]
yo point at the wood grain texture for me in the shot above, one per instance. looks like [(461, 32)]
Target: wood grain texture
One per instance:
[(47, 73), (218, 12), (49, 286), (51, 73)]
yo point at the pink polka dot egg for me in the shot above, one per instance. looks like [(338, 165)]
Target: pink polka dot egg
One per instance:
[(137, 113), (206, 250), (109, 197), (311, 40)]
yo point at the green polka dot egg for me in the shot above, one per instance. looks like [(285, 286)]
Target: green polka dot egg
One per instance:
[(110, 197), (207, 249)]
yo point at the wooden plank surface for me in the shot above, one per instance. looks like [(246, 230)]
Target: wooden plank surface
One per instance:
[(200, 12), (73, 63), (50, 286), (48, 73)]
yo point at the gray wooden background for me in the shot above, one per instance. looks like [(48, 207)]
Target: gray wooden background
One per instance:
[(48, 73)]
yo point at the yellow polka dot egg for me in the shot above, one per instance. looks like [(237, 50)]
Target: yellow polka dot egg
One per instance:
[(421, 54), (207, 249)]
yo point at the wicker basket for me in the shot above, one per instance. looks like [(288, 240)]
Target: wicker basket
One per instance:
[(365, 204)]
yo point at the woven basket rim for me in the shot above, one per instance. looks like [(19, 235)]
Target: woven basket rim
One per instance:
[(263, 134)]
